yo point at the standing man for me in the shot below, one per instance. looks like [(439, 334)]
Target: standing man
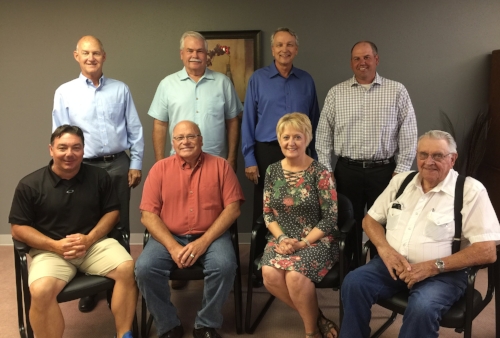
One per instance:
[(272, 92), (368, 122), (188, 204), (104, 109), (197, 94), (64, 212), (415, 248)]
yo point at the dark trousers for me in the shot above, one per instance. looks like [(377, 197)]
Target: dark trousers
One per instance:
[(362, 186), (118, 171), (266, 153)]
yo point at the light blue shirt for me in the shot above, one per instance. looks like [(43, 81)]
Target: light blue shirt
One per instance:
[(208, 103), (106, 114)]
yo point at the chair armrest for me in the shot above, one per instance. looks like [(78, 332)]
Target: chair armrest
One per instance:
[(145, 238), (21, 248)]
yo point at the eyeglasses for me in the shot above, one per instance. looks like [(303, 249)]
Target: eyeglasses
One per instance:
[(189, 137), (438, 157)]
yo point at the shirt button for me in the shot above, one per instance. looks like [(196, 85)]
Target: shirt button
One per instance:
[(196, 112), (197, 98), (190, 192), (190, 210)]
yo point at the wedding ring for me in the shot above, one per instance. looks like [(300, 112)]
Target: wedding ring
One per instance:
[(191, 255)]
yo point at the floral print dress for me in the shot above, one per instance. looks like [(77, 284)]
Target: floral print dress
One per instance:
[(298, 206)]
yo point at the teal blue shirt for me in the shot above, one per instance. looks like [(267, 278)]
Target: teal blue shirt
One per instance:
[(209, 103)]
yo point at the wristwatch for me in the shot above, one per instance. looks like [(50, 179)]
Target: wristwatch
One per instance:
[(440, 265)]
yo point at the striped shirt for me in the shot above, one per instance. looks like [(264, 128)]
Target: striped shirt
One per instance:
[(368, 124)]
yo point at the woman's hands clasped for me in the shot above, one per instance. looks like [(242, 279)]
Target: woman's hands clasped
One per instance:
[(289, 245)]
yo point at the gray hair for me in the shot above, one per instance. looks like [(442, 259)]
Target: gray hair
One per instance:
[(374, 47), (441, 135), (289, 31), (195, 35)]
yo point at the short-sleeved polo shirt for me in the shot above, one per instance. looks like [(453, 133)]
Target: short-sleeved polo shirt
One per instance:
[(57, 207)]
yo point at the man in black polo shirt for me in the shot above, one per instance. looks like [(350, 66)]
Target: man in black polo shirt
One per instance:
[(64, 212)]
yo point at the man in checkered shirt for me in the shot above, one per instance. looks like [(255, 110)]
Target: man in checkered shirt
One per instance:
[(369, 124)]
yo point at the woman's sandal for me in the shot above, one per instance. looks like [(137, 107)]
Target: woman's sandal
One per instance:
[(326, 325)]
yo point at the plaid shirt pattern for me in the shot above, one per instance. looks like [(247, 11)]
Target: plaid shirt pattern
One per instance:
[(368, 124)]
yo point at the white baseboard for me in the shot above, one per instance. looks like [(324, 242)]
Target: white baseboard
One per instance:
[(135, 238)]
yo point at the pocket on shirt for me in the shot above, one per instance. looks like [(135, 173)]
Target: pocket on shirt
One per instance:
[(215, 107), (211, 190), (114, 111), (393, 218), (440, 227)]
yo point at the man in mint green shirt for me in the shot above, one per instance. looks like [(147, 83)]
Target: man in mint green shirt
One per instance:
[(201, 95)]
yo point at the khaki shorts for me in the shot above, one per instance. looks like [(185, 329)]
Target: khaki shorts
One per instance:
[(101, 258)]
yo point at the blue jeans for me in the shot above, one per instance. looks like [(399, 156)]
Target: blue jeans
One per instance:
[(152, 272), (427, 302)]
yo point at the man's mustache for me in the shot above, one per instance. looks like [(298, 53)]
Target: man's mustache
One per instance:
[(194, 60)]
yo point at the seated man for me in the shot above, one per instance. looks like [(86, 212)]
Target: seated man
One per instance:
[(416, 251), (190, 200), (64, 212)]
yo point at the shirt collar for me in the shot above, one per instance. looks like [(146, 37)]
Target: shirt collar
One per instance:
[(183, 164), (354, 82), (274, 71), (446, 186), (183, 75), (55, 179), (87, 81)]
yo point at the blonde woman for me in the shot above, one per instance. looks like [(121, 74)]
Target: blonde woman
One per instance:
[(300, 211)]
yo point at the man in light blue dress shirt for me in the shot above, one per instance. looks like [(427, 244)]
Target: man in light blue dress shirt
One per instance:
[(201, 95), (104, 109)]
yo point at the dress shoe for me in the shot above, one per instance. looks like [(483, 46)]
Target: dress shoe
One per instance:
[(178, 284), (205, 332), (176, 332), (87, 304)]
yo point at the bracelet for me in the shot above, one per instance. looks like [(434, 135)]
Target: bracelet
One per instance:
[(303, 239), (281, 238)]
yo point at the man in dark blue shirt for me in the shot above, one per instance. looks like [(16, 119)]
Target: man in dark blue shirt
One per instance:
[(272, 92), (64, 212)]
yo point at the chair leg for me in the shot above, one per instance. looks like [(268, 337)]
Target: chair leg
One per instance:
[(249, 327), (386, 325), (144, 324), (238, 299), (23, 295)]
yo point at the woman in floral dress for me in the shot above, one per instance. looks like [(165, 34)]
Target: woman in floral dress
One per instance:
[(300, 211)]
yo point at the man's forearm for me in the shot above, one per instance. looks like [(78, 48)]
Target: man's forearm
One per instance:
[(32, 237), (104, 226), (222, 223), (158, 229), (375, 232), (476, 254), (233, 137), (159, 138)]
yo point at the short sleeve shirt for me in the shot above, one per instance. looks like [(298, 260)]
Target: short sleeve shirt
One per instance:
[(188, 200), (57, 207), (209, 103)]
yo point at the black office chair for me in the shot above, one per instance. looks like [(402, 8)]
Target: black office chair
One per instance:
[(80, 286), (333, 278), (459, 316), (195, 272)]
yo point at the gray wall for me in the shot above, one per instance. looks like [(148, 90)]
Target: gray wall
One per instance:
[(437, 49)]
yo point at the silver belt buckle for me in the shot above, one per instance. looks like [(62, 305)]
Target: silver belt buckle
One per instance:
[(365, 165)]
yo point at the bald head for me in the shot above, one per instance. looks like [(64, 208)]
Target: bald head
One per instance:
[(90, 55), (188, 124), (91, 39)]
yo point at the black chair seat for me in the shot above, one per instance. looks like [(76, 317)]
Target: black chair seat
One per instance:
[(84, 285), (194, 272)]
